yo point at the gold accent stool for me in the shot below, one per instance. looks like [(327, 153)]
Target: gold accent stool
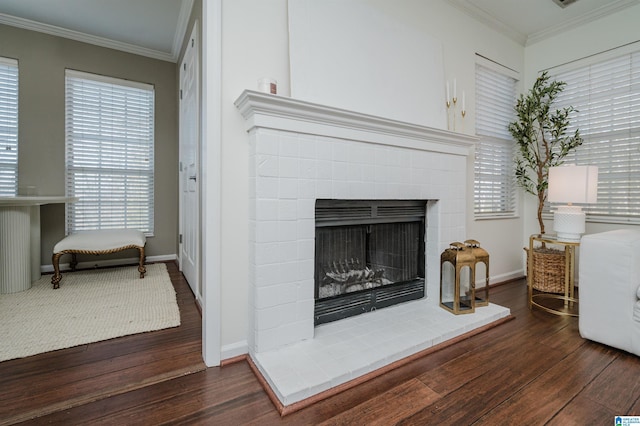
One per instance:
[(570, 302), (457, 289)]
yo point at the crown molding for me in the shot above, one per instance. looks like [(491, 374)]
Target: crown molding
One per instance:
[(182, 28), (480, 15), (584, 19), (86, 38)]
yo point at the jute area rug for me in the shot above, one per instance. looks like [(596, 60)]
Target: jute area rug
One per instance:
[(89, 306)]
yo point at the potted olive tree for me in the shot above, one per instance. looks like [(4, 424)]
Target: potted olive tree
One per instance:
[(541, 136), (542, 139)]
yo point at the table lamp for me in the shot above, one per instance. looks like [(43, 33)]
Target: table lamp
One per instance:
[(571, 184)]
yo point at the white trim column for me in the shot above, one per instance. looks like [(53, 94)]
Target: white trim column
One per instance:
[(211, 182)]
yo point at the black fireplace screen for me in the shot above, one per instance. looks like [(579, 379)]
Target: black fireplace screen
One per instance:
[(361, 257), (363, 247)]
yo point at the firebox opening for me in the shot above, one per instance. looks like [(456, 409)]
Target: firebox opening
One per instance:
[(369, 254)]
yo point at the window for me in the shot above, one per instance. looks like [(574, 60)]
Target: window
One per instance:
[(494, 186), (8, 127), (606, 94), (109, 153)]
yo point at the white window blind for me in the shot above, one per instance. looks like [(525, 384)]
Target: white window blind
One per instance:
[(607, 97), (494, 186), (8, 127), (109, 153)]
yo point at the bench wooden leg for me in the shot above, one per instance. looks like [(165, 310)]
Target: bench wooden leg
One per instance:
[(55, 259), (55, 279), (141, 268)]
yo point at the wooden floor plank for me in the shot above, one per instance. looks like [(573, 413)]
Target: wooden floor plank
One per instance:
[(635, 408), (531, 370), (460, 371), (583, 411), (390, 406), (204, 393), (553, 389), (491, 387), (49, 382), (615, 387)]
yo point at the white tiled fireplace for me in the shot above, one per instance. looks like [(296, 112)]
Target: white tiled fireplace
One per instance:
[(301, 152)]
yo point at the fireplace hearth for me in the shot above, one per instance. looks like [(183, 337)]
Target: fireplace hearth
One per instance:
[(300, 153), (369, 254)]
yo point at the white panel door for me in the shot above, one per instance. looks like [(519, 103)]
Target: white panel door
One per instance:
[(189, 165)]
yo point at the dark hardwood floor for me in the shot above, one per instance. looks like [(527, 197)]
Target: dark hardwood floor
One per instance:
[(49, 382), (533, 370)]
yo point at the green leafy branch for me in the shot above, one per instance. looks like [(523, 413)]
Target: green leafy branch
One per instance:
[(541, 137)]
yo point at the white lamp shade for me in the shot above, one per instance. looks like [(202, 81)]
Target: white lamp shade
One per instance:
[(573, 184)]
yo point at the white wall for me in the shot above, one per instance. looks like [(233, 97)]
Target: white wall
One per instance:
[(356, 67), (608, 33), (462, 38), (255, 44)]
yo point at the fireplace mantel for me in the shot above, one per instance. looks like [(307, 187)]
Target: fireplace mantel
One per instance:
[(299, 153), (261, 110)]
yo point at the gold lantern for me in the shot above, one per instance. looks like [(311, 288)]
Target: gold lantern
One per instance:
[(481, 257), (457, 292)]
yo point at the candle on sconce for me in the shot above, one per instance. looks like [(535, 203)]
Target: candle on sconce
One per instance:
[(448, 91), (463, 101), (455, 93)]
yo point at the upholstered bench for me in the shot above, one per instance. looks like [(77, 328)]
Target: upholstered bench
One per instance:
[(97, 242)]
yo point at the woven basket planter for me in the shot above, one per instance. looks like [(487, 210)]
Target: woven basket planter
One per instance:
[(548, 269)]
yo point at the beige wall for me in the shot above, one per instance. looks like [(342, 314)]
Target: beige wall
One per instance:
[(42, 62)]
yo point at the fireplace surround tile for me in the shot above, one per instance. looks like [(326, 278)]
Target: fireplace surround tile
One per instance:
[(300, 152)]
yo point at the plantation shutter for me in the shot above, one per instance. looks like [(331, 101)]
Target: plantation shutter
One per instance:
[(109, 153), (8, 127), (606, 95), (494, 182)]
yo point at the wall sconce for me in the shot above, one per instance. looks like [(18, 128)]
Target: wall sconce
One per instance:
[(571, 184), (451, 103)]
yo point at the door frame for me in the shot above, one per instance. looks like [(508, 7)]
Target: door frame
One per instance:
[(196, 286), (211, 182)]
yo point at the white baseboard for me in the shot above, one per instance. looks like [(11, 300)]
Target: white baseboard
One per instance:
[(234, 349), (110, 262), (502, 278), (509, 276)]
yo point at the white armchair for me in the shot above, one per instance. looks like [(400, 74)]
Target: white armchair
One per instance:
[(609, 293)]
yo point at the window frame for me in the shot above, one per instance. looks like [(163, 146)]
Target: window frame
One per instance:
[(501, 199), (610, 207), (109, 153)]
